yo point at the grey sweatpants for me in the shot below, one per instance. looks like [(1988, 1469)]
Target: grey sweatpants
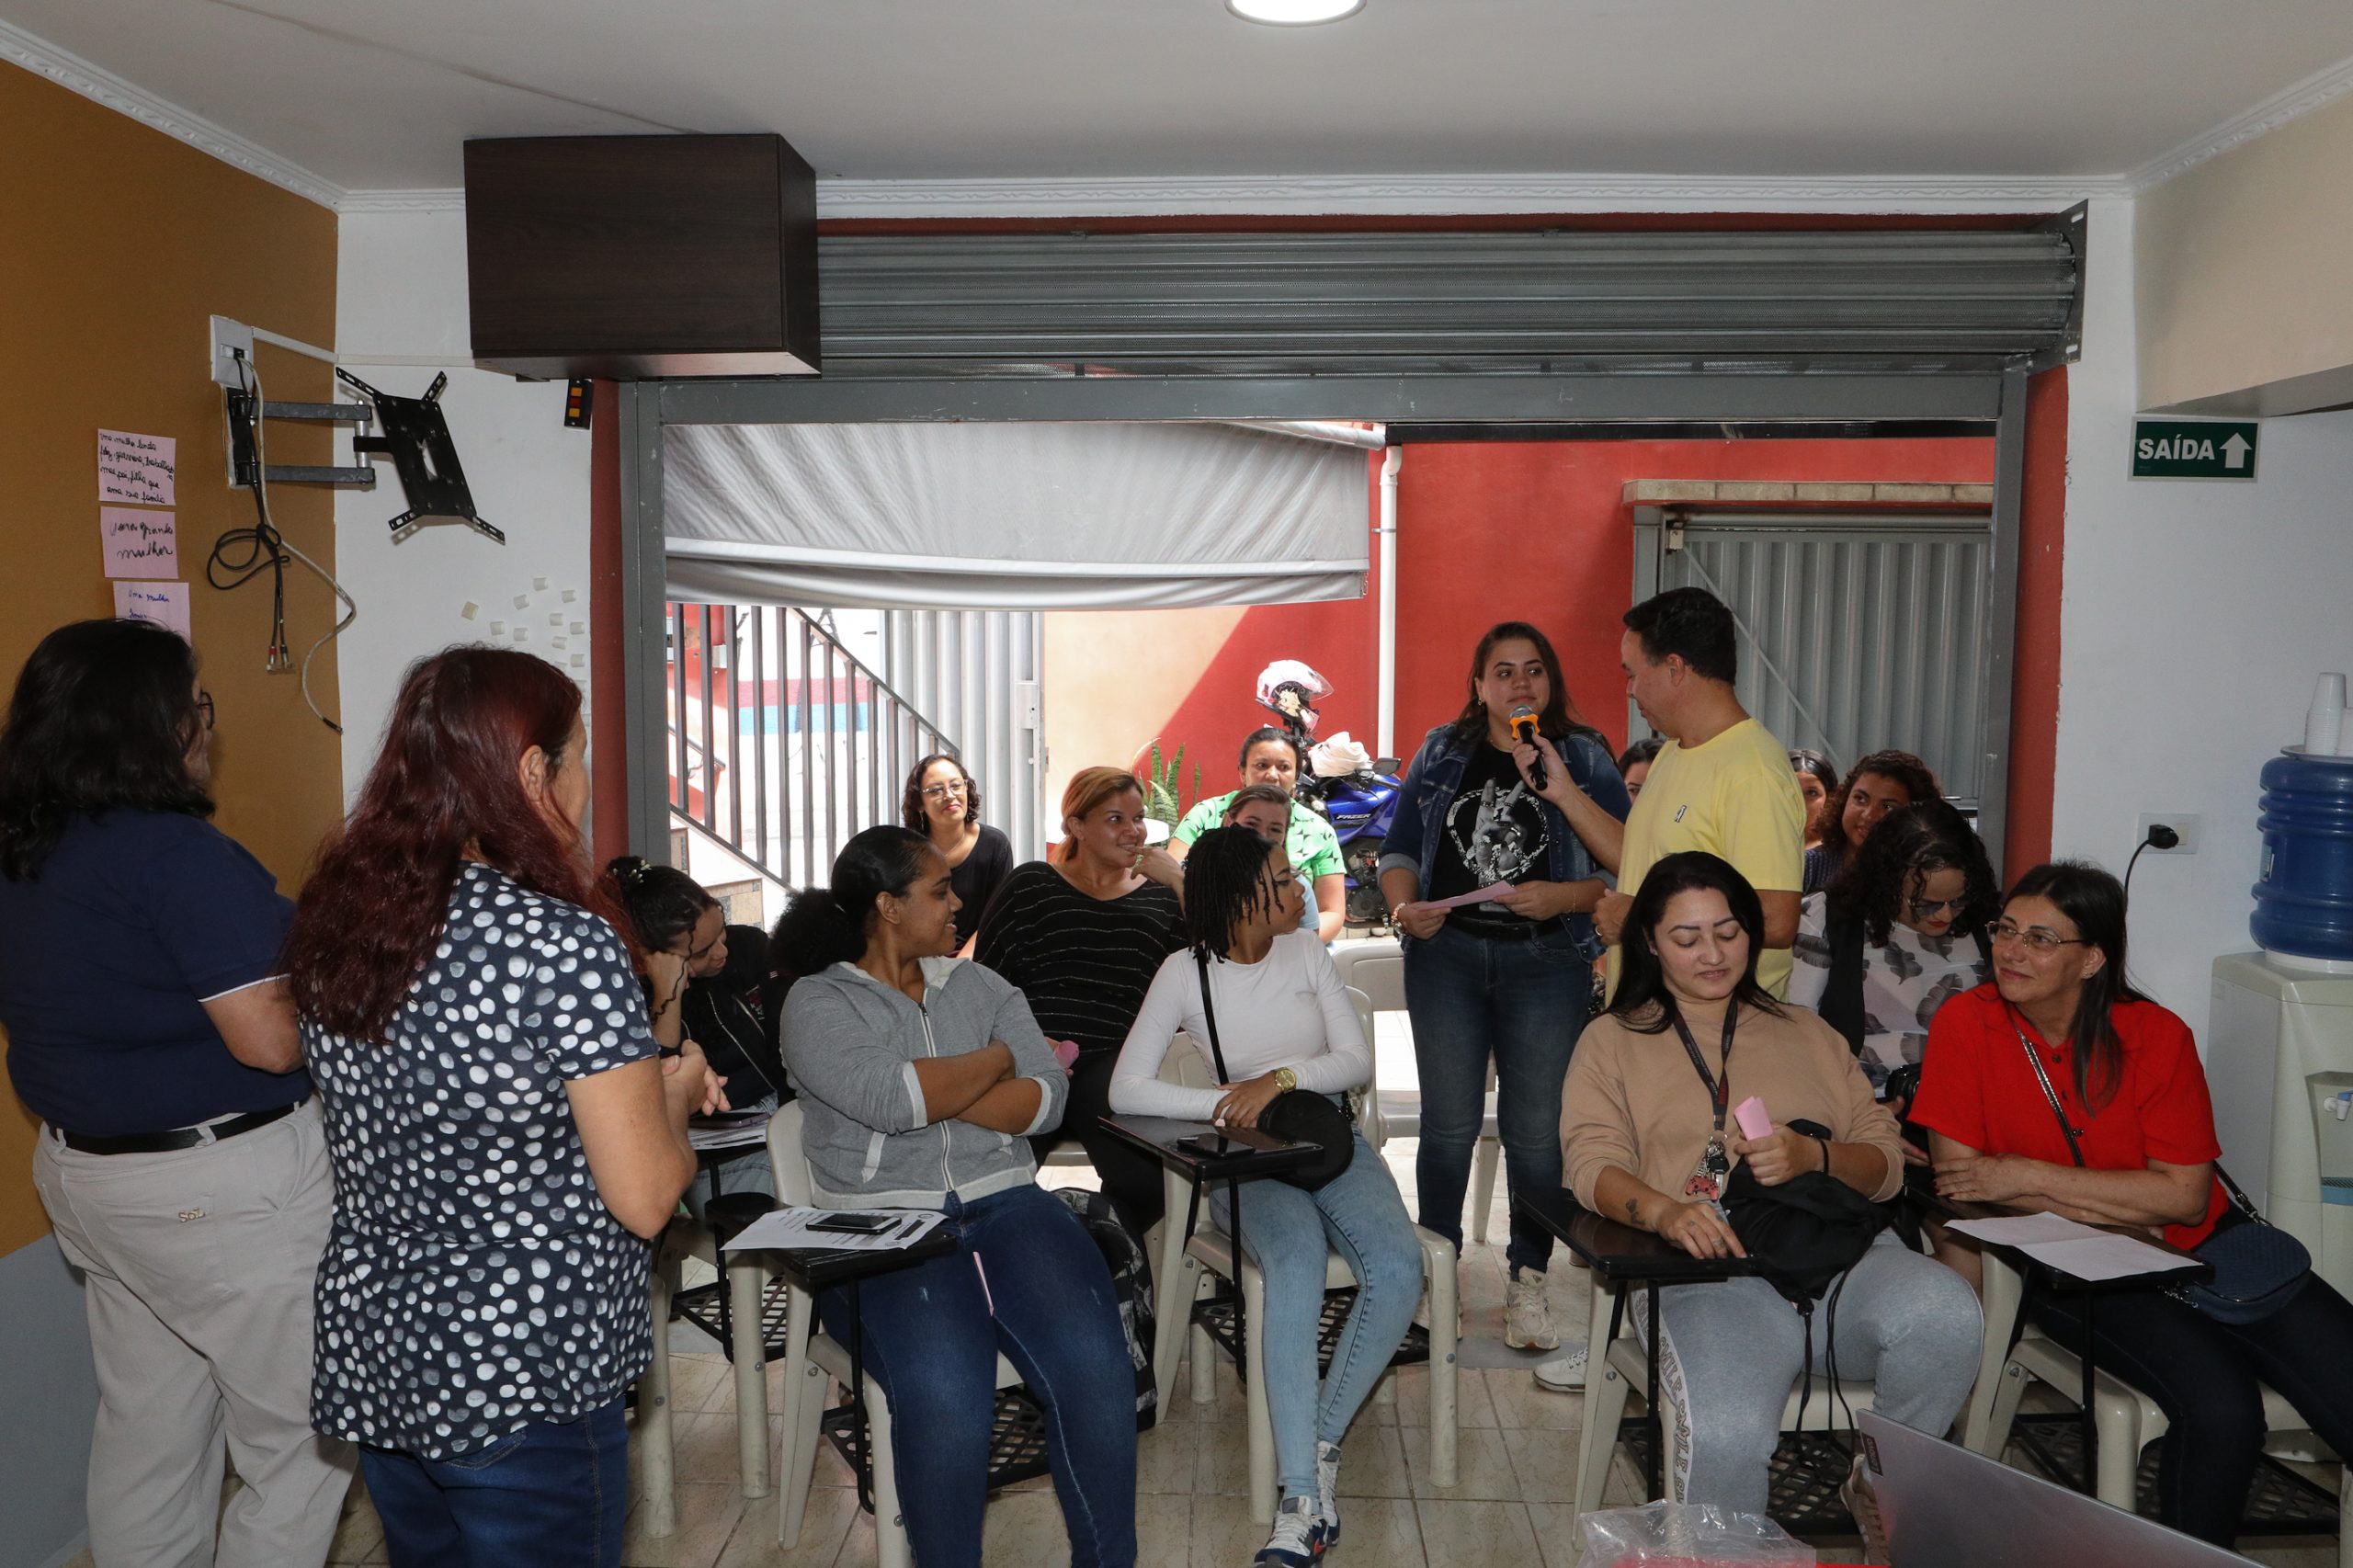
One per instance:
[(198, 1267), (1733, 1351)]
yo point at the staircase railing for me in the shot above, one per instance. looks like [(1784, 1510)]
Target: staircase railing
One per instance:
[(783, 744)]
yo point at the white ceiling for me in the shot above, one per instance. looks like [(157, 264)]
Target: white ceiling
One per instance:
[(379, 96)]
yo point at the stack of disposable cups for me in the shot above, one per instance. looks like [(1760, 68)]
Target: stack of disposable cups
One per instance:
[(2326, 733)]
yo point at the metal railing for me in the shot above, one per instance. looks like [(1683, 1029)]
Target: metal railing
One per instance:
[(783, 745)]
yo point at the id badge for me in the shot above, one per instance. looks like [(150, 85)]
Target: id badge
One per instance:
[(1707, 1180)]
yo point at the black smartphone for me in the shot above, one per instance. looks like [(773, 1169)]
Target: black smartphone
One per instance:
[(848, 1224), (1208, 1145)]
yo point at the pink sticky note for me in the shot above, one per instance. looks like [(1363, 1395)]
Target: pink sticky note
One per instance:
[(165, 603), (1065, 1050), (1754, 1123), (139, 543)]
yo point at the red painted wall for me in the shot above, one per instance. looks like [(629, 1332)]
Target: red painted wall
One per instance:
[(2034, 686), (1487, 532)]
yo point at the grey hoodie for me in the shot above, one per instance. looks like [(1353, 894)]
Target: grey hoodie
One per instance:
[(850, 1047)]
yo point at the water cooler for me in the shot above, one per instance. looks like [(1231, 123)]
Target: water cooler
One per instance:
[(2279, 1042)]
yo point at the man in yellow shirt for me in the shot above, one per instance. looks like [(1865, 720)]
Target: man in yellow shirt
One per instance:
[(1722, 783)]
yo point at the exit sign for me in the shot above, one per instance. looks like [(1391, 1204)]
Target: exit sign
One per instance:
[(2193, 448)]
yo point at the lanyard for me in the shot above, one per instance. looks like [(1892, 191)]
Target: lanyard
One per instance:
[(1718, 1086), (2034, 1059)]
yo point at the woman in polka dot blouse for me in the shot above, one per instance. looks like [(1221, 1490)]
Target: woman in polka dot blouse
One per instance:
[(506, 1137), (921, 1078)]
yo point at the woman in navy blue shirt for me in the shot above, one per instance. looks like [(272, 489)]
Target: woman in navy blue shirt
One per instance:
[(181, 1157)]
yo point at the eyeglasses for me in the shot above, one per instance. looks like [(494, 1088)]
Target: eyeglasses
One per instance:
[(204, 706), (2042, 941), (1929, 908), (941, 791)]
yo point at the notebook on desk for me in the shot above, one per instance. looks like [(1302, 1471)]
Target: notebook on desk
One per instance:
[(1946, 1507)]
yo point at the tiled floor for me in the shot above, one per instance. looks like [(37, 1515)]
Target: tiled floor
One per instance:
[(1512, 1506)]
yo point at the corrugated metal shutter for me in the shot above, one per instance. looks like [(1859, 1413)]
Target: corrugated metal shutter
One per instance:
[(976, 674), (1858, 633), (1458, 303)]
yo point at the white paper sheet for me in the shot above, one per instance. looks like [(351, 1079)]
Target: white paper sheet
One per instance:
[(787, 1230), (2106, 1256), (2017, 1231)]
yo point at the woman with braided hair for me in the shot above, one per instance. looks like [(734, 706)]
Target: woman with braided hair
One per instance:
[(1268, 994)]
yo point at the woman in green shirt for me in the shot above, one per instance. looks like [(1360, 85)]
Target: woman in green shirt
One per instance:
[(1270, 756)]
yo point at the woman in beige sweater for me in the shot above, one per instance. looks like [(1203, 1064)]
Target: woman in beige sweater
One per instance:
[(1648, 1138)]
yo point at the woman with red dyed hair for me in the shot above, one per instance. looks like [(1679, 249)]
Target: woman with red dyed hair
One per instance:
[(506, 1134)]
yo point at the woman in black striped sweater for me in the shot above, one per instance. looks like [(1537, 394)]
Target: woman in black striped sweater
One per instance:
[(1081, 935)]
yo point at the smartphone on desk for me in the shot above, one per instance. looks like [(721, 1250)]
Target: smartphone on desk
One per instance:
[(851, 1225), (1232, 1141)]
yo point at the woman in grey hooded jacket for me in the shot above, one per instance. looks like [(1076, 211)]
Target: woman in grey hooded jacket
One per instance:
[(921, 1077)]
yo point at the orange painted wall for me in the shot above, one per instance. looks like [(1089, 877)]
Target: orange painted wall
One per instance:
[(1487, 532), (122, 243)]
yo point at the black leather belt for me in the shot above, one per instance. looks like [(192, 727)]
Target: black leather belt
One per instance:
[(184, 1138), (1505, 930)]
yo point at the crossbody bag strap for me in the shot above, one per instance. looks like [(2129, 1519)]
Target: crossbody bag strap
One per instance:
[(1209, 1016), (2050, 1094), (2238, 1195)]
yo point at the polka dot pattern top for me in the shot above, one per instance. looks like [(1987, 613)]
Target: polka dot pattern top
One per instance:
[(474, 1283)]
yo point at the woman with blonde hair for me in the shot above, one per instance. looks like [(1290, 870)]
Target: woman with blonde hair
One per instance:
[(1081, 934)]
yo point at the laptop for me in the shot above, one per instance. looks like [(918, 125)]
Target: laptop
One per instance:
[(1944, 1506)]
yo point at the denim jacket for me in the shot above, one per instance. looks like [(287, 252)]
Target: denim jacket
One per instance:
[(1436, 773)]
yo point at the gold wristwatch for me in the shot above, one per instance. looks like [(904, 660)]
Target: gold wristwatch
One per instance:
[(1286, 1080)]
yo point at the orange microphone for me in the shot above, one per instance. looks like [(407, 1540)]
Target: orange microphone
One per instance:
[(1523, 728)]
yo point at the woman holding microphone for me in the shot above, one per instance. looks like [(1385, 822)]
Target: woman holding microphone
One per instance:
[(1510, 974)]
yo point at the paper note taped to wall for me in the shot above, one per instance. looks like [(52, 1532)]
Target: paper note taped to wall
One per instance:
[(165, 603), (137, 469), (139, 544)]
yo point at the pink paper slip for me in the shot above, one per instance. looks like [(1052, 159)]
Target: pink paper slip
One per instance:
[(1754, 1123), (1487, 894)]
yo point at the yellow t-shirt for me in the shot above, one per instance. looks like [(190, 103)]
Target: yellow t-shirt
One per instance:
[(1735, 797)]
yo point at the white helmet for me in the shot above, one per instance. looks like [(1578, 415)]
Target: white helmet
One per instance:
[(1291, 689)]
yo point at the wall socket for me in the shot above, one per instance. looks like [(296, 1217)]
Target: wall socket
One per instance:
[(2182, 823), (229, 335)]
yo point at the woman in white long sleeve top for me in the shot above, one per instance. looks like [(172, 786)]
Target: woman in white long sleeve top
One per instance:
[(1283, 1023)]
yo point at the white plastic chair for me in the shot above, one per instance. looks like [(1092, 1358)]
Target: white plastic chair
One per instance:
[(812, 1358), (1378, 969), (1610, 1376), (746, 1283), (1186, 1261), (2126, 1420)]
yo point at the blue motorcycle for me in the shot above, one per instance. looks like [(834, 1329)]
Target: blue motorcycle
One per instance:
[(1359, 804)]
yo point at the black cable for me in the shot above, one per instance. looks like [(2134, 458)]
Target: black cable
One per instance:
[(2159, 837), (262, 547)]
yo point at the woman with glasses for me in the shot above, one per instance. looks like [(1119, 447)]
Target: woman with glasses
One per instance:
[(2124, 1134), (943, 804), (181, 1157), (1896, 936)]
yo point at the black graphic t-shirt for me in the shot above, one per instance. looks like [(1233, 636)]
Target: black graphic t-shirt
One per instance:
[(1493, 831)]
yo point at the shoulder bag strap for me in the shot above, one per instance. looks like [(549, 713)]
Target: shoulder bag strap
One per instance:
[(1209, 1016), (1842, 990), (2049, 1093)]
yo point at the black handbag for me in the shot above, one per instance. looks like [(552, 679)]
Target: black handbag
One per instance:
[(1807, 1231), (1302, 1116), (2258, 1267)]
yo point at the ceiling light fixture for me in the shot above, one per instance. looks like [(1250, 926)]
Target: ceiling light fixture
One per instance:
[(1293, 13)]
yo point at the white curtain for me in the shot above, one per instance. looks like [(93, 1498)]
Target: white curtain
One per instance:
[(1028, 516)]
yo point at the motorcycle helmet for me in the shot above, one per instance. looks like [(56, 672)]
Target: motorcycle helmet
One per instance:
[(1290, 689)]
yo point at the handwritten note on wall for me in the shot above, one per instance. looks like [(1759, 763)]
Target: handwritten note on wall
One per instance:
[(136, 469), (165, 603), (139, 544)]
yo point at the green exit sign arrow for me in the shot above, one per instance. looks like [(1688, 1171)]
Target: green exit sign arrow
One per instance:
[(2194, 449)]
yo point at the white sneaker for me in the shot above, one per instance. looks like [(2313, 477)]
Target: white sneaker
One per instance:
[(1327, 1490), (1563, 1373), (1527, 1315), (1298, 1538)]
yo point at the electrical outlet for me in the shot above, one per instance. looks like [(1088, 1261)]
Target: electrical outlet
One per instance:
[(2182, 823), (226, 335)]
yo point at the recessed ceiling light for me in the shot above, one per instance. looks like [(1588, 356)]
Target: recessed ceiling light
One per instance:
[(1293, 13)]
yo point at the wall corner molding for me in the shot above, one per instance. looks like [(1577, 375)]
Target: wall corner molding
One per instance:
[(449, 200), (2292, 102), (101, 86)]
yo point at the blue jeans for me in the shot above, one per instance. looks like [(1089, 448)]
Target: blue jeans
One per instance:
[(1525, 1002), (1286, 1231), (1024, 1279), (552, 1495)]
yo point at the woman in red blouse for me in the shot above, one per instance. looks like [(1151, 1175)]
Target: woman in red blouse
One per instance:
[(2127, 1077)]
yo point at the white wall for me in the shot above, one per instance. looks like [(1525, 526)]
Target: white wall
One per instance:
[(2195, 617), (400, 314)]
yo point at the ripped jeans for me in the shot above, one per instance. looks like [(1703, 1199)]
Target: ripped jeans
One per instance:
[(1024, 1279)]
